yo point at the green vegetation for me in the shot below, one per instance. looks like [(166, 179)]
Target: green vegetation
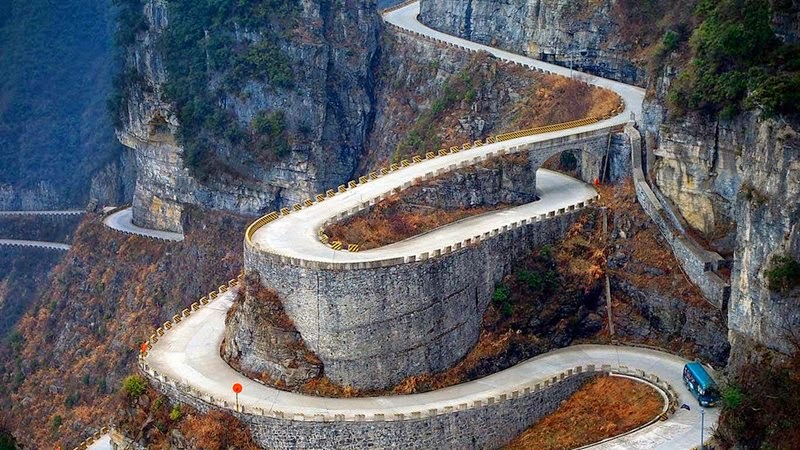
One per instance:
[(7, 441), (761, 408), (670, 41), (269, 134), (134, 386), (55, 423), (423, 135), (199, 46), (502, 299), (732, 396), (737, 63), (783, 274), (175, 413)]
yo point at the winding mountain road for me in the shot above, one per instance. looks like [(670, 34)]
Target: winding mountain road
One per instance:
[(37, 244), (123, 221), (189, 352), (296, 235)]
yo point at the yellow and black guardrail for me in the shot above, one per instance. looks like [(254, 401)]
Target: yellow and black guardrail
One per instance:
[(338, 245)]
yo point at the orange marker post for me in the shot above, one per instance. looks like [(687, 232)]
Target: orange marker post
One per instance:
[(237, 389)]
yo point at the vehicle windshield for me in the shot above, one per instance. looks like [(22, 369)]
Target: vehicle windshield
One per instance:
[(710, 393)]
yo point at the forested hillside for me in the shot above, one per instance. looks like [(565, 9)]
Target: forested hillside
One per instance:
[(56, 70)]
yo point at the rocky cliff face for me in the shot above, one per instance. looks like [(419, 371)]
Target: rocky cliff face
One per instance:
[(767, 212), (734, 185), (590, 36), (56, 137), (324, 116)]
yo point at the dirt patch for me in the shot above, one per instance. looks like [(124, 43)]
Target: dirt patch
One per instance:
[(602, 408), (393, 220)]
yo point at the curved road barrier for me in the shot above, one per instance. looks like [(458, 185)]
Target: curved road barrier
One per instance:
[(69, 212), (100, 440), (36, 244), (184, 362), (122, 221)]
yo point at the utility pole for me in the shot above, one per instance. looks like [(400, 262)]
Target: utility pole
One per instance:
[(702, 426), (608, 282)]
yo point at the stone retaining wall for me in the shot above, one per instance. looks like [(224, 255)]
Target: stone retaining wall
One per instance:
[(490, 425), (487, 423), (698, 264), (373, 325)]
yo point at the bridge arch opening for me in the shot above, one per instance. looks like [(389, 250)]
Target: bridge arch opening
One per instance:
[(581, 163)]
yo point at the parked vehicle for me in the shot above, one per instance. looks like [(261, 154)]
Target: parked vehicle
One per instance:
[(700, 384)]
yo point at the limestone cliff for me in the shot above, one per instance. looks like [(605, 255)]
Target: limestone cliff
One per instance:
[(734, 182), (767, 213), (318, 116), (607, 38)]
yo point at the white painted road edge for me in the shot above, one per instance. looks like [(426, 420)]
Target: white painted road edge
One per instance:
[(189, 354), (37, 244), (123, 221)]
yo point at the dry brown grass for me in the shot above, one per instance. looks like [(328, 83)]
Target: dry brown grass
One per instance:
[(392, 220), (558, 99), (602, 408)]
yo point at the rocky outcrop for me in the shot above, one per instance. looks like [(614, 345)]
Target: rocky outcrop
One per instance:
[(327, 114), (507, 180), (413, 76), (586, 37), (733, 185), (261, 340)]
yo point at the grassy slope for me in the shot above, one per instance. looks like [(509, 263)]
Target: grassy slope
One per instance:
[(80, 338), (602, 408)]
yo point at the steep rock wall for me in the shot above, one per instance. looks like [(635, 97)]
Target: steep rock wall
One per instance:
[(733, 184), (327, 114), (768, 224), (563, 32)]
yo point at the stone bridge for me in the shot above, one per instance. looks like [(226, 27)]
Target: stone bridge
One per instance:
[(591, 148)]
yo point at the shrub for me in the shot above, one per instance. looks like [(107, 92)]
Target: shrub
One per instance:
[(737, 62), (670, 41), (175, 414), (134, 386), (532, 279), (732, 396), (501, 294), (783, 274), (56, 423), (269, 133)]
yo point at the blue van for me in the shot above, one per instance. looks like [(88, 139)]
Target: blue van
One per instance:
[(700, 384)]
